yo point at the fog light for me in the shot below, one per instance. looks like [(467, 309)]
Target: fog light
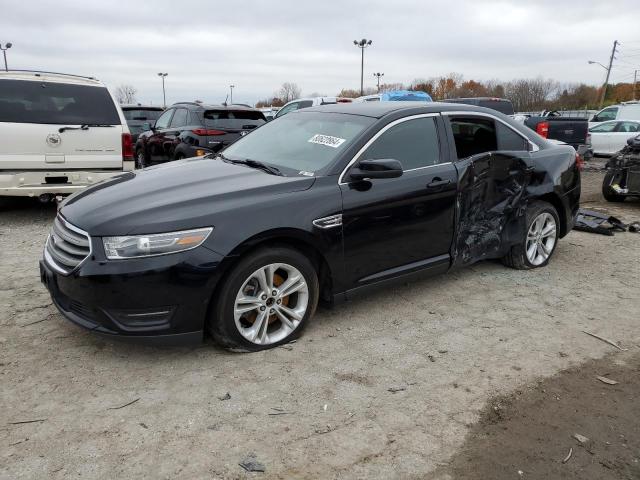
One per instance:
[(200, 153), (142, 320)]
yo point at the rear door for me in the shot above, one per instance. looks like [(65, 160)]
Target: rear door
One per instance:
[(623, 132), (40, 126), (601, 137), (225, 126)]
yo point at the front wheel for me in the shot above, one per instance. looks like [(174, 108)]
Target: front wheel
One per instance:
[(540, 240), (608, 192), (265, 301)]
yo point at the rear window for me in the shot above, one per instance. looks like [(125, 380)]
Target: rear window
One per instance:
[(142, 114), (233, 119), (57, 103)]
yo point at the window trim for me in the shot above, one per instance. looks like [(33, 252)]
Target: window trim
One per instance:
[(356, 157), (169, 110), (534, 147)]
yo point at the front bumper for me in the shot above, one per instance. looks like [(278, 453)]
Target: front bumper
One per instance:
[(33, 184), (159, 300)]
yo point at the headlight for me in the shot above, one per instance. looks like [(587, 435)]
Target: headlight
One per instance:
[(132, 246)]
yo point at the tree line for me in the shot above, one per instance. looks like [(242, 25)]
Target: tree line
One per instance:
[(526, 94)]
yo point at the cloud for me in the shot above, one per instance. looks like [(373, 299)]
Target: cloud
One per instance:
[(257, 45)]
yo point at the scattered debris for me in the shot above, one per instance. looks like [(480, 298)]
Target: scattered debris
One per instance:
[(566, 459), (322, 431), (594, 222), (279, 411), (606, 380), (21, 422), (442, 352), (563, 354), (605, 340), (324, 408), (431, 357), (580, 438), (251, 464), (19, 442), (143, 425), (396, 389), (634, 227), (226, 396), (125, 405)]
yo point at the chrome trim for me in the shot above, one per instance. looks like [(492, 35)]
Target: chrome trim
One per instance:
[(534, 147), (328, 222), (376, 136), (51, 262)]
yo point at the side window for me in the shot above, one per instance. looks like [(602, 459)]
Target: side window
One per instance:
[(289, 108), (179, 118), (604, 128), (305, 104), (508, 139), (414, 143), (628, 127), (163, 121), (606, 114), (473, 135)]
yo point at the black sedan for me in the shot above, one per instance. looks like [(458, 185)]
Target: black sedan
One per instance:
[(318, 204)]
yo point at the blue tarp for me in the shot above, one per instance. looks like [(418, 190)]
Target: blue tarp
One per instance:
[(405, 96)]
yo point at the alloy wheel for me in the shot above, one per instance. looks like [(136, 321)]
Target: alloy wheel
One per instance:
[(541, 238), (271, 303)]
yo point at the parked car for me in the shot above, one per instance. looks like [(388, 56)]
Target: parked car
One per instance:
[(501, 105), (622, 179), (321, 203), (610, 137), (269, 112), (59, 133), (300, 103), (623, 111), (191, 129), (551, 125), (140, 117), (396, 96)]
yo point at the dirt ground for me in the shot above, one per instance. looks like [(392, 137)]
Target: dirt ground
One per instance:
[(388, 386)]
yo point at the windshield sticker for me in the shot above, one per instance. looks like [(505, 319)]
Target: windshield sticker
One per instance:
[(306, 174), (328, 140)]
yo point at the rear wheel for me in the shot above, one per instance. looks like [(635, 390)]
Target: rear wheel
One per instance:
[(540, 240), (265, 301), (609, 193)]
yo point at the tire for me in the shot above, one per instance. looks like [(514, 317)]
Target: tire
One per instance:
[(180, 156), (607, 192), (517, 257), (242, 331), (141, 159)]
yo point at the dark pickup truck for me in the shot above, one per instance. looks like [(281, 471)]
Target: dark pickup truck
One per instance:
[(570, 130)]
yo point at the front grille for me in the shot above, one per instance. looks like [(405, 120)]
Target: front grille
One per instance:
[(67, 246)]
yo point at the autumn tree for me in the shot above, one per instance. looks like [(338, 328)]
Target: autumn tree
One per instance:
[(126, 94)]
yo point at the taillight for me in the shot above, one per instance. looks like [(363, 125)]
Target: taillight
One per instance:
[(542, 129), (579, 162), (127, 147), (206, 132)]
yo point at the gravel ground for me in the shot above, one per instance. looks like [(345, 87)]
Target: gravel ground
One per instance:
[(387, 386)]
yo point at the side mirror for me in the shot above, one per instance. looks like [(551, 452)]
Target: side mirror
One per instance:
[(378, 168)]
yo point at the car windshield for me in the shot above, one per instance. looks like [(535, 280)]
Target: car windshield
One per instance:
[(56, 103), (303, 143), (142, 114)]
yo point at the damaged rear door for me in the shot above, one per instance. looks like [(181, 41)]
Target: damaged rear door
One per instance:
[(492, 161)]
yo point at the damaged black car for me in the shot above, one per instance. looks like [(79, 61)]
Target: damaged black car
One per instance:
[(622, 179), (319, 204)]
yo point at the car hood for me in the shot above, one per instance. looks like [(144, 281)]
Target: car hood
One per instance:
[(175, 196)]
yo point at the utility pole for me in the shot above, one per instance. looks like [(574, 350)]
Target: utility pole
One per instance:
[(4, 52), (378, 75), (231, 88), (164, 97), (606, 82), (635, 81), (362, 44)]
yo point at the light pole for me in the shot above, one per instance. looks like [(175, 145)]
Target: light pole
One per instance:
[(362, 44), (164, 97), (231, 88), (4, 49), (378, 74), (608, 69)]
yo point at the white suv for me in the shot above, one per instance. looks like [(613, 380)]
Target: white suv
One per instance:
[(58, 134)]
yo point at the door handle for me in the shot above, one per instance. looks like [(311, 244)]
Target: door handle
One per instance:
[(437, 183)]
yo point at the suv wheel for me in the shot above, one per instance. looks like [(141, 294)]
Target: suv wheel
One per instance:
[(540, 240), (141, 159), (609, 193), (265, 301)]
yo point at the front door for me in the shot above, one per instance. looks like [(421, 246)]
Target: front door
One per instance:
[(156, 141), (398, 225)]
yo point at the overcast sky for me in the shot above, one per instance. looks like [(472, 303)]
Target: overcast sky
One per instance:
[(258, 45)]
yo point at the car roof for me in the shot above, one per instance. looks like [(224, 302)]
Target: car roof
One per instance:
[(139, 106), (207, 106), (40, 76), (380, 109)]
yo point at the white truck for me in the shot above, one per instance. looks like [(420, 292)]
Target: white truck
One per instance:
[(59, 133)]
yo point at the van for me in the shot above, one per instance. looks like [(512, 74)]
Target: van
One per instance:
[(59, 133), (624, 111)]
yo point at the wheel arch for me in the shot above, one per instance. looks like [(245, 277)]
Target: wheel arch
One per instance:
[(556, 202)]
